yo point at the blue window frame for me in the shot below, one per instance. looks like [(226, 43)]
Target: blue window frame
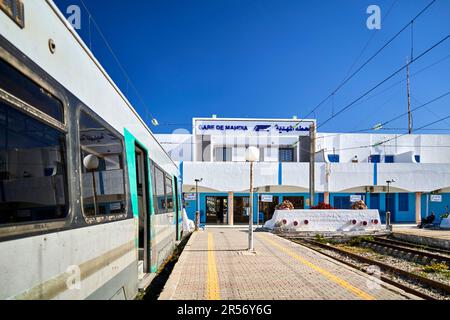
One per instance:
[(375, 158), (287, 155), (389, 159), (333, 158), (403, 202)]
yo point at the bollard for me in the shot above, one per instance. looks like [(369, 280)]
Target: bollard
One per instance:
[(388, 221)]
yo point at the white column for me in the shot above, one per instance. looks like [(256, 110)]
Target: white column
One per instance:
[(418, 208)]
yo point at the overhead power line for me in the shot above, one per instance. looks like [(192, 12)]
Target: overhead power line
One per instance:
[(385, 123), (385, 80), (345, 81), (121, 67)]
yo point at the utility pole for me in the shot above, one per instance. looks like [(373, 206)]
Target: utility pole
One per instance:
[(408, 88), (312, 165)]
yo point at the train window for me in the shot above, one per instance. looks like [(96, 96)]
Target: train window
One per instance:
[(103, 179), (169, 193), (33, 180), (159, 191), (13, 82)]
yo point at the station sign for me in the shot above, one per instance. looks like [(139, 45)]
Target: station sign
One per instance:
[(355, 198), (436, 198), (190, 197), (241, 127), (267, 198)]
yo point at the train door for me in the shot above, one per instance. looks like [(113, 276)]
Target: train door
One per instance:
[(142, 174), (177, 208)]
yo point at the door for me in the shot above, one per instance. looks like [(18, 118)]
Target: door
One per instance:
[(142, 182), (177, 207), (391, 205), (216, 210), (241, 210), (267, 209)]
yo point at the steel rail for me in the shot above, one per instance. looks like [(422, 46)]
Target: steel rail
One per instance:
[(413, 245), (419, 253), (425, 281), (382, 278)]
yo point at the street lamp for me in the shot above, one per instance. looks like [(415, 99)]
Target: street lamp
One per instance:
[(91, 163), (197, 200), (388, 212), (251, 156)]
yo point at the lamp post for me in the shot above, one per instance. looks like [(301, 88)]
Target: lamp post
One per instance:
[(197, 212), (252, 155), (388, 212)]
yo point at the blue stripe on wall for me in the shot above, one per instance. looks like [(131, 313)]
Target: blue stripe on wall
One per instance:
[(280, 174), (375, 174)]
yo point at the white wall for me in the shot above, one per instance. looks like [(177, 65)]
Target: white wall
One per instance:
[(415, 177), (336, 177), (178, 146), (431, 148), (229, 176)]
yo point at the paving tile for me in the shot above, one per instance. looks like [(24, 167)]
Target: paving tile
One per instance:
[(280, 270)]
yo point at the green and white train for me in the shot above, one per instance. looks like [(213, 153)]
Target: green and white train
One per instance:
[(89, 200)]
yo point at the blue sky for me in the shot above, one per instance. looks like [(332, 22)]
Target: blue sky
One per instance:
[(271, 58)]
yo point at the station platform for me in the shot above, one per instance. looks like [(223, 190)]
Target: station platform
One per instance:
[(215, 265), (428, 237)]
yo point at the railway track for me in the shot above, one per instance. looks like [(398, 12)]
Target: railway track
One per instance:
[(413, 245), (412, 278), (416, 254)]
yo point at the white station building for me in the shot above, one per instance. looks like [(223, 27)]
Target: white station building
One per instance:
[(348, 167)]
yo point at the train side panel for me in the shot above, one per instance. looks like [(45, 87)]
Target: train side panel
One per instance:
[(49, 266)]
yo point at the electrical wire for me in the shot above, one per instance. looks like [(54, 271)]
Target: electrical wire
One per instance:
[(343, 83), (121, 67), (386, 79)]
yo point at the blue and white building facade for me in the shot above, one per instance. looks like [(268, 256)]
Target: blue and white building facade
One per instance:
[(348, 167)]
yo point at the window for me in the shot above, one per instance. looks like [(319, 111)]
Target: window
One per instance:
[(103, 180), (375, 158), (223, 154), (403, 202), (169, 194), (159, 191), (389, 159), (342, 203), (298, 202), (417, 159), (286, 155), (334, 158), (28, 91), (162, 191), (33, 180)]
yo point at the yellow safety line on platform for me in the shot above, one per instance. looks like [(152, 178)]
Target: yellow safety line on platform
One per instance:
[(212, 281), (324, 272)]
